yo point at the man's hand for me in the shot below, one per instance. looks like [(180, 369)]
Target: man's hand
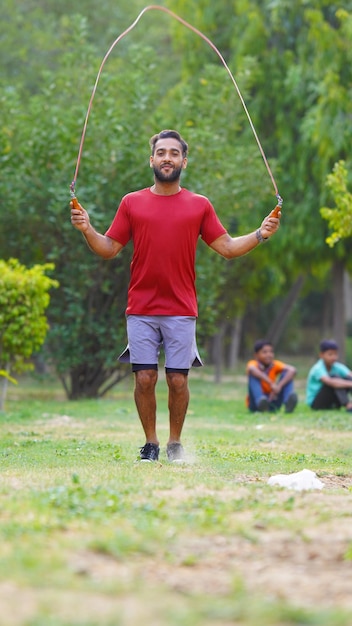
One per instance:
[(102, 245), (80, 218), (269, 225)]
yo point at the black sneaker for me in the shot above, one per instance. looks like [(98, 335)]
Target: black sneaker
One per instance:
[(149, 452), (263, 405), (175, 453), (291, 402)]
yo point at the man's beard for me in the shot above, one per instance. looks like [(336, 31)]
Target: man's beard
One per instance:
[(174, 175)]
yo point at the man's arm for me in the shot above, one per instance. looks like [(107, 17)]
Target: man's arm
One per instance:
[(231, 247), (336, 382), (258, 373), (290, 373), (100, 244)]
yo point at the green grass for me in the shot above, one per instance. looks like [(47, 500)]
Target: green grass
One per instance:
[(91, 538)]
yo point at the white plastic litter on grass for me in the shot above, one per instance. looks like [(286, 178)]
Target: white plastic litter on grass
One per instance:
[(300, 481)]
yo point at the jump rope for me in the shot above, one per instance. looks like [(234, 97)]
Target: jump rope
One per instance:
[(275, 212)]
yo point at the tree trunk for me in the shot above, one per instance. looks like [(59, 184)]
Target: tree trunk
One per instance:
[(339, 311), (4, 385), (326, 317), (88, 382), (218, 352), (235, 340), (277, 327)]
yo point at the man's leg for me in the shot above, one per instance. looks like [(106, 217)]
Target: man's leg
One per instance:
[(145, 399), (342, 396), (326, 398), (178, 403), (286, 390), (256, 395), (288, 396), (179, 340)]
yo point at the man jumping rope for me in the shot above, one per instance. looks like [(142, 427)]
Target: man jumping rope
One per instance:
[(164, 222)]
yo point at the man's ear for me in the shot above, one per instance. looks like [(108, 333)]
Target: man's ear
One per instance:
[(151, 161), (184, 164)]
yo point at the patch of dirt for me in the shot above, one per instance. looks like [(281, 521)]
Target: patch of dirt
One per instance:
[(307, 570), (310, 567), (20, 606), (304, 559), (58, 420), (332, 482)]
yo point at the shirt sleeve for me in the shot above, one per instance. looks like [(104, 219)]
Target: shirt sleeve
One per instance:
[(120, 228), (319, 370), (279, 367), (211, 227), (339, 369), (251, 363)]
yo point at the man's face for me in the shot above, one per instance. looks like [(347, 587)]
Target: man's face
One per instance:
[(167, 161), (329, 357), (265, 355)]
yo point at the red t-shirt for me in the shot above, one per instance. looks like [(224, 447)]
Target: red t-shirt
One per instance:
[(164, 231)]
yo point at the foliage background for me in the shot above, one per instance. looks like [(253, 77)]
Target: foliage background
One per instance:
[(293, 66)]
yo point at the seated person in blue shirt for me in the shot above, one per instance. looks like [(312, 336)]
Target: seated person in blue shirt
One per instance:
[(329, 382)]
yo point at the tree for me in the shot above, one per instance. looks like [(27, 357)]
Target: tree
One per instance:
[(24, 298), (339, 218), (300, 59), (87, 320), (224, 164), (312, 131), (339, 221), (293, 65)]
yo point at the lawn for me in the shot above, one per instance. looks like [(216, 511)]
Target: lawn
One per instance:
[(89, 537)]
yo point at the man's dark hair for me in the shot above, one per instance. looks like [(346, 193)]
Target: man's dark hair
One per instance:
[(260, 343), (328, 344), (166, 134)]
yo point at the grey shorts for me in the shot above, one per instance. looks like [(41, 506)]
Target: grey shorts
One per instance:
[(148, 334)]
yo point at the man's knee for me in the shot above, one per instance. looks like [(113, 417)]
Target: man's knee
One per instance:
[(176, 381), (146, 380)]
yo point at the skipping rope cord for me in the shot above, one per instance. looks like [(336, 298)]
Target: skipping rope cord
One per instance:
[(210, 43)]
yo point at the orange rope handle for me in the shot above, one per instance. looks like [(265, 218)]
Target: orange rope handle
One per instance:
[(75, 203), (277, 211), (210, 43)]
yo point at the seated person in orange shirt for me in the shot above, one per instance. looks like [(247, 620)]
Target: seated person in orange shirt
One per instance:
[(270, 382)]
